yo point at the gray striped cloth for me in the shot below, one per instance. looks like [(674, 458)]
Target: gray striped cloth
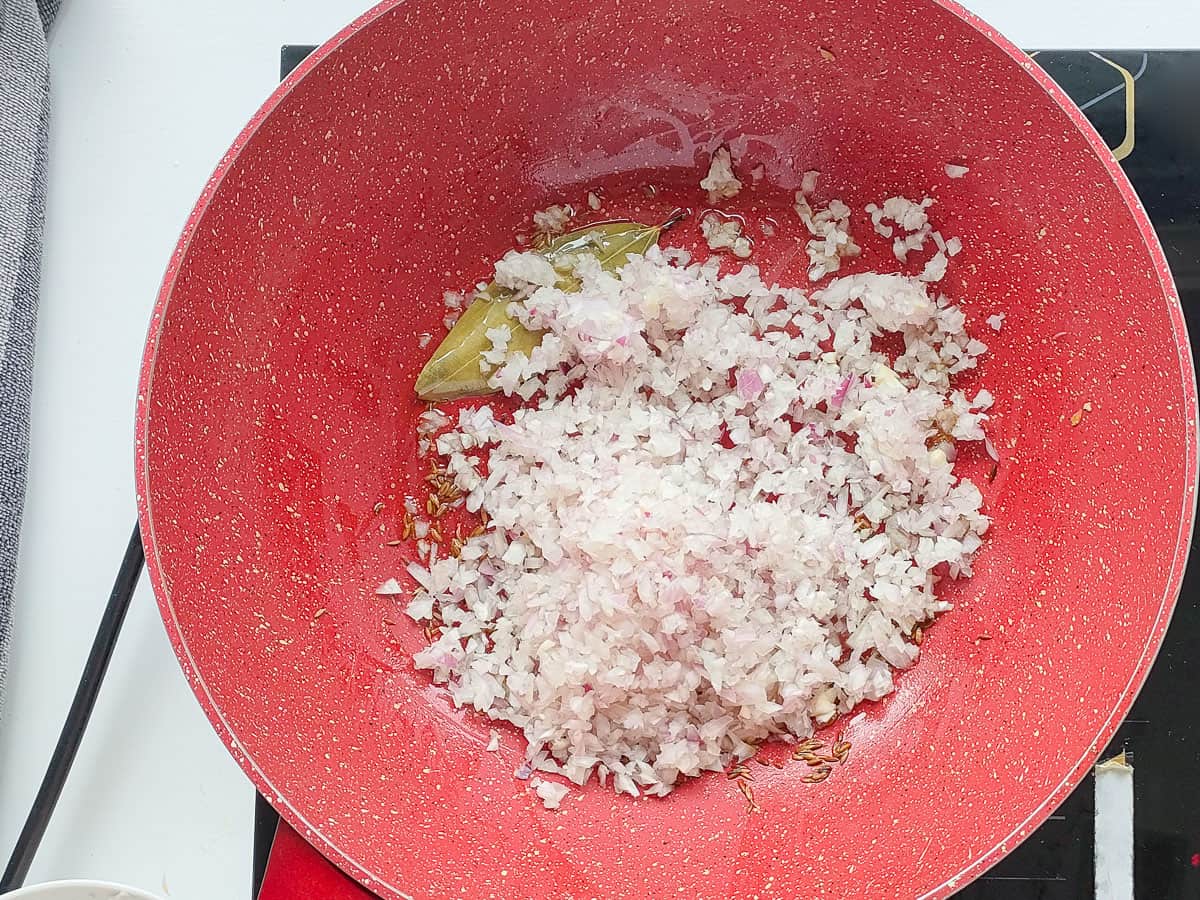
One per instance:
[(24, 117)]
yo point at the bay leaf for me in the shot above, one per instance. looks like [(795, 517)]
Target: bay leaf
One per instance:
[(454, 372)]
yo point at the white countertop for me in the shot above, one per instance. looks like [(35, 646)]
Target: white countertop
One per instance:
[(147, 95)]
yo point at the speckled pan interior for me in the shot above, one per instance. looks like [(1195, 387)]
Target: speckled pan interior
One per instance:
[(276, 413)]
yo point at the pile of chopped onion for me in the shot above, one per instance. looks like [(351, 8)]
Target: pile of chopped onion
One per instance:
[(720, 516)]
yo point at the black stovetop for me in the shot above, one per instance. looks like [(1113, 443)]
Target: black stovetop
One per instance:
[(1162, 732)]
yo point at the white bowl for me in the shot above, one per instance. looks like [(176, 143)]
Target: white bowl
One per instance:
[(79, 890)]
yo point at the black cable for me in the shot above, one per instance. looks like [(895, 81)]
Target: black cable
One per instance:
[(77, 718)]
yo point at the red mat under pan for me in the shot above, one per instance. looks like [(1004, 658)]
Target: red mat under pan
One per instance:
[(276, 412)]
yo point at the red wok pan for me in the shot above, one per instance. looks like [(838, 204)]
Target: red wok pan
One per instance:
[(276, 444)]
